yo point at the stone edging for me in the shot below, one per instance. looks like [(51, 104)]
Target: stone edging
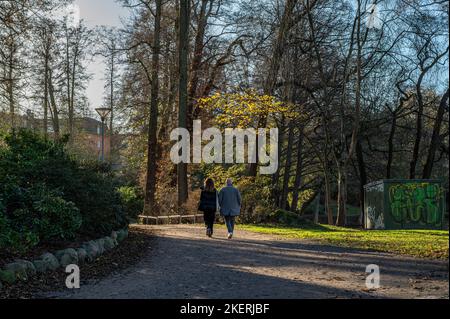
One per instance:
[(23, 269)]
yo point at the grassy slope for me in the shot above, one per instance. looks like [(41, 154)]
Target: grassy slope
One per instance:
[(418, 243)]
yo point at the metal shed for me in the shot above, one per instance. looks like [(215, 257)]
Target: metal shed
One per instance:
[(404, 204)]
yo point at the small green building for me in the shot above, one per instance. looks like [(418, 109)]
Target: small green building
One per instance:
[(404, 204)]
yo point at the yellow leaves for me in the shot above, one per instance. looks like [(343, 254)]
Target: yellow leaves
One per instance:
[(244, 109)]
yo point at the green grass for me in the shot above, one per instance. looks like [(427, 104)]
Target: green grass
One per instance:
[(419, 243)]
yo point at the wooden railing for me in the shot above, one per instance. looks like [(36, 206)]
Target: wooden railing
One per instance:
[(170, 219)]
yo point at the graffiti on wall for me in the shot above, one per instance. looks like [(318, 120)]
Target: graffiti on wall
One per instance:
[(416, 203), (375, 219)]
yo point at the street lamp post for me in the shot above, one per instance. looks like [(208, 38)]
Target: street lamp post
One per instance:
[(103, 112)]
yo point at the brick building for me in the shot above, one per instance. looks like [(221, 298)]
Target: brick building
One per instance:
[(88, 130)]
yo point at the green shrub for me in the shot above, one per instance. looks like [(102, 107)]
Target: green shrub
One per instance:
[(132, 199), (57, 218), (48, 194), (94, 191), (283, 217), (15, 240), (4, 228), (256, 198), (40, 213)]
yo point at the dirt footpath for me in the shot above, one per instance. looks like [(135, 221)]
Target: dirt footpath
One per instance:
[(184, 263)]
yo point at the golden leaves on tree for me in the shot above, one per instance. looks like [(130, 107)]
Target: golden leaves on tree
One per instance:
[(244, 109)]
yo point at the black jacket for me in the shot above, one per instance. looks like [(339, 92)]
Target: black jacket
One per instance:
[(208, 201)]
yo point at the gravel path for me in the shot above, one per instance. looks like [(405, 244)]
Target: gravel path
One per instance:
[(184, 263)]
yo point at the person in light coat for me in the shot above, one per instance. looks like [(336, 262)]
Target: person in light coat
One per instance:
[(230, 205)]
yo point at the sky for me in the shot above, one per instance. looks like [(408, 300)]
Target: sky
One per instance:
[(96, 13)]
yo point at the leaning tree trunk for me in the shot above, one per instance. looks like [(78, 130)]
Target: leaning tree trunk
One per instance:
[(435, 138)]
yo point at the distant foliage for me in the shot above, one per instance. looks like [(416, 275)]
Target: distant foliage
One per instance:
[(257, 201), (45, 194), (255, 191), (132, 199)]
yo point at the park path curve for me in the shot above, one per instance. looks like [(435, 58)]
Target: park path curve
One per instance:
[(184, 263)]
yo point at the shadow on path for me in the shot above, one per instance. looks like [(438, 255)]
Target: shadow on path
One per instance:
[(186, 264)]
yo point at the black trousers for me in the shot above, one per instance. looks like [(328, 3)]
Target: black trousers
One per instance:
[(209, 217)]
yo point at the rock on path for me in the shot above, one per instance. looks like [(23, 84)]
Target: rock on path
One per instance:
[(184, 263)]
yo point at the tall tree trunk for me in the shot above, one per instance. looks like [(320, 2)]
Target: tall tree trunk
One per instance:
[(72, 101), (327, 200), (166, 98), (391, 145), (362, 177), (68, 74), (276, 175), (196, 61), (435, 137), (150, 205), (342, 165), (342, 196), (12, 110), (287, 167), (10, 80), (53, 107), (418, 136), (298, 172), (45, 128), (316, 209), (111, 106), (184, 8)]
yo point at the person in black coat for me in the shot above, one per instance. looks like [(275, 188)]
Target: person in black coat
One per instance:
[(208, 205)]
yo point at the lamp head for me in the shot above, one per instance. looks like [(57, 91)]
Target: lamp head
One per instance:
[(103, 112)]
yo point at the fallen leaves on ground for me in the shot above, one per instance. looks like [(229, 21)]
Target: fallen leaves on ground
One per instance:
[(128, 253)]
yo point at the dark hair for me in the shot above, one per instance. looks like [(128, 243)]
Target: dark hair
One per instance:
[(209, 185)]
